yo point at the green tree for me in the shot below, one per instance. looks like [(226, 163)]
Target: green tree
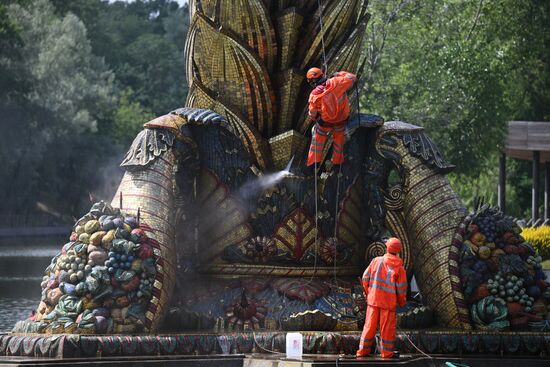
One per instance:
[(129, 118), (11, 76), (67, 78), (77, 80), (50, 150), (142, 42), (434, 74), (462, 69)]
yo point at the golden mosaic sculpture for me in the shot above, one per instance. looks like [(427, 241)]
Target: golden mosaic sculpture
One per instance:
[(246, 61), (425, 213), (239, 249)]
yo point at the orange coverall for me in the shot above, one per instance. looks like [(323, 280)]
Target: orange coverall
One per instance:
[(385, 284), (329, 107)]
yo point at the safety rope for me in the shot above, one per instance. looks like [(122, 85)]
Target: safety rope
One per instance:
[(357, 100), (316, 193), (315, 163), (325, 71), (336, 221), (316, 219), (285, 305), (325, 67)]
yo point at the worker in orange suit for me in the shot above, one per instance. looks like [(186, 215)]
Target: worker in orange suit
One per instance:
[(329, 109), (385, 285)]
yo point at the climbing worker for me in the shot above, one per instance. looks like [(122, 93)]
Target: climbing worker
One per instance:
[(329, 109), (385, 285)]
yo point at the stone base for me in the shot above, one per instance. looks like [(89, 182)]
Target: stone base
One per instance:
[(431, 342)]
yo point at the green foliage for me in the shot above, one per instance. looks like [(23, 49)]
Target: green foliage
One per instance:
[(485, 184), (462, 69), (154, 70), (129, 118), (77, 81), (67, 78), (142, 42), (49, 125), (434, 76), (10, 40), (539, 238)]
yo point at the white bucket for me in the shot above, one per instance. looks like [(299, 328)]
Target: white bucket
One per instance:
[(294, 345)]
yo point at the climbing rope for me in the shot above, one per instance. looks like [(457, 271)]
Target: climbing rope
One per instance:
[(315, 163), (282, 311), (316, 220), (336, 221), (357, 100), (325, 70), (316, 193), (322, 37)]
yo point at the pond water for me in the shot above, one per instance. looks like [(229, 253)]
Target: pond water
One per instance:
[(21, 270), (15, 309)]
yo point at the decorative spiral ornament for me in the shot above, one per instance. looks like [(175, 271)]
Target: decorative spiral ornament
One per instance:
[(375, 249), (393, 198)]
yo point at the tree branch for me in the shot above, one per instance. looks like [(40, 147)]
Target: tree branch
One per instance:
[(478, 13), (374, 51)]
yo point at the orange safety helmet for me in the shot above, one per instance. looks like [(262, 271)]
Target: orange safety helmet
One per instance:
[(393, 245), (314, 73)]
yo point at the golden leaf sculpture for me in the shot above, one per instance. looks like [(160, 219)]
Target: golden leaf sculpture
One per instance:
[(250, 58)]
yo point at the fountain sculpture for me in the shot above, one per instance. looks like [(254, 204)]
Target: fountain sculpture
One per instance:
[(215, 248)]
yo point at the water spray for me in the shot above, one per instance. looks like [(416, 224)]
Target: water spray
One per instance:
[(287, 168), (264, 181)]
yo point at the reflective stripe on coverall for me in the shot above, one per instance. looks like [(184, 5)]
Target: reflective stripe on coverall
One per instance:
[(329, 103), (385, 284)]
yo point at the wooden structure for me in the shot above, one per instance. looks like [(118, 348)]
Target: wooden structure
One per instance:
[(528, 140)]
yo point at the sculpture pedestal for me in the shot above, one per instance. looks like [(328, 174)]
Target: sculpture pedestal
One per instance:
[(448, 343)]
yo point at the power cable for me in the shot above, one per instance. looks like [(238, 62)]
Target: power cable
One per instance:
[(416, 347), (258, 344)]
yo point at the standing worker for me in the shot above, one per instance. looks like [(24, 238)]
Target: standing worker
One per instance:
[(329, 109), (385, 285)]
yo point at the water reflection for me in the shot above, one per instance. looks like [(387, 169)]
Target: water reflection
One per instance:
[(13, 310), (21, 270), (28, 251)]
